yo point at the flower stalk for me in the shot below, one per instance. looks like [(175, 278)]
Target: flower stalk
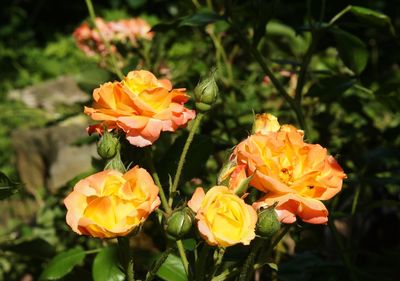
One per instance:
[(126, 257), (92, 15), (182, 158)]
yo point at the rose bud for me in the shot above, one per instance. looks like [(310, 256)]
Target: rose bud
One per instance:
[(206, 93), (108, 146), (180, 223), (268, 223)]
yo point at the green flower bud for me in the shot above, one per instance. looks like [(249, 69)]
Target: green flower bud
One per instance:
[(267, 223), (108, 146), (206, 93), (180, 223)]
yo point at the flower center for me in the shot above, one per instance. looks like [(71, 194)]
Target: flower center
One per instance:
[(286, 175)]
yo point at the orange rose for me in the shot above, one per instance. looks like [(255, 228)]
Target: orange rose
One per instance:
[(291, 172), (224, 219), (141, 105), (110, 204)]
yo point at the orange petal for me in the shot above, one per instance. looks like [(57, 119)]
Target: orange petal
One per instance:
[(197, 199)]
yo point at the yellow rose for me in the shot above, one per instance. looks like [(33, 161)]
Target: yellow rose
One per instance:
[(223, 218), (110, 204)]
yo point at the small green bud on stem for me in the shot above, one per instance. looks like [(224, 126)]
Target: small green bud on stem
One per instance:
[(206, 93), (180, 223), (108, 145), (268, 223)]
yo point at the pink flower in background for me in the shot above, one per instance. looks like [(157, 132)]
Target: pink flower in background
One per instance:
[(126, 31)]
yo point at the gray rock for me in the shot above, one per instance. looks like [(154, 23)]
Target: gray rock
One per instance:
[(51, 96), (47, 157)]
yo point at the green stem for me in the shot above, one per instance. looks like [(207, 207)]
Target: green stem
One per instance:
[(281, 90), (156, 266), (181, 162), (218, 261), (264, 257), (339, 15), (342, 251), (201, 262), (231, 272), (220, 49), (358, 192), (247, 269), (226, 274), (164, 202), (115, 163), (182, 254), (126, 257), (94, 251), (196, 4), (310, 51), (92, 15), (304, 69)]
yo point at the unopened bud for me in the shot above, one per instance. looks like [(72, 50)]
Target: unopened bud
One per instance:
[(180, 223), (206, 93), (108, 146), (267, 223), (265, 123)]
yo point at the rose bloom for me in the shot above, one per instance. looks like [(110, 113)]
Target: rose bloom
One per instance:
[(223, 218), (141, 105), (126, 30), (110, 204), (295, 174)]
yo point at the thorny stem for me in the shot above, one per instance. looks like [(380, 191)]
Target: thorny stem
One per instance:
[(345, 257), (218, 261), (92, 15), (165, 205), (221, 51), (126, 256), (339, 15), (308, 56), (230, 272), (278, 85), (182, 254), (181, 162), (154, 174), (247, 268)]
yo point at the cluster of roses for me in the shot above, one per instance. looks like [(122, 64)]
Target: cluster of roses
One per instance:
[(91, 40), (292, 175)]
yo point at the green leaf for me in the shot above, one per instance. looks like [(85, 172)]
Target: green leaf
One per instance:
[(62, 264), (106, 266), (372, 17), (164, 26), (200, 19), (136, 3), (35, 248), (273, 266), (329, 88), (172, 270), (287, 36), (7, 187), (189, 244), (352, 50), (157, 264)]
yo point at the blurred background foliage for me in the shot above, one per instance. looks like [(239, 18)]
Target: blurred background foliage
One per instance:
[(350, 102)]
